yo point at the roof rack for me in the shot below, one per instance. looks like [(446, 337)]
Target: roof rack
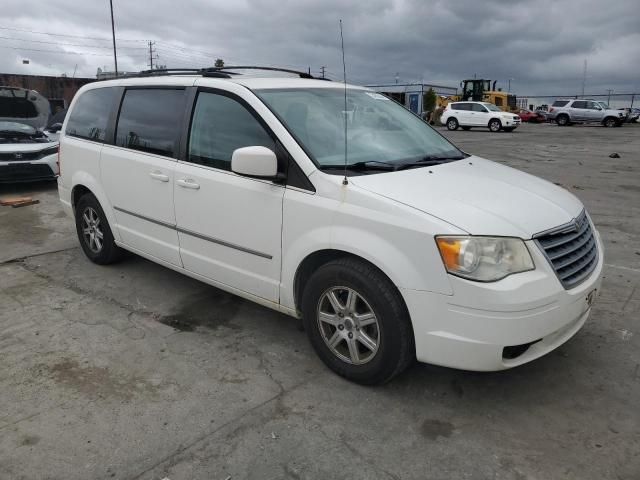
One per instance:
[(217, 72), (176, 71), (208, 71)]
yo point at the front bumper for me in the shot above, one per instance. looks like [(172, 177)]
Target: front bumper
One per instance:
[(500, 325), (511, 122), (29, 170)]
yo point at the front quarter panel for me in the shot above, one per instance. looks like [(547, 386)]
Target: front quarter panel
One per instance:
[(396, 238)]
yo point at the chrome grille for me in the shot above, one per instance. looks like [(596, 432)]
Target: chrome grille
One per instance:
[(571, 249)]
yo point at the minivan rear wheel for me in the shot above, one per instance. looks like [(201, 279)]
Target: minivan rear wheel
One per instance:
[(94, 232), (452, 124), (357, 322)]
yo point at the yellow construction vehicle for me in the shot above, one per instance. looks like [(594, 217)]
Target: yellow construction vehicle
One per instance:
[(480, 90)]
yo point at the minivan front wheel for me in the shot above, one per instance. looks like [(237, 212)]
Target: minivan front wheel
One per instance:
[(94, 232), (357, 322)]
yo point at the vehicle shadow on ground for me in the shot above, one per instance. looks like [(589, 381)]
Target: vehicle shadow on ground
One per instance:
[(28, 188)]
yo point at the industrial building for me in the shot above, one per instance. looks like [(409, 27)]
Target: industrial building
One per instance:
[(411, 95), (58, 90)]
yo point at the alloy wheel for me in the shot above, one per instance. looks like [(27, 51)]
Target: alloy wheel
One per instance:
[(348, 325), (92, 230)]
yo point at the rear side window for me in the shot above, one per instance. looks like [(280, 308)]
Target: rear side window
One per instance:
[(90, 114), (476, 107), (579, 104), (461, 106), (221, 125), (149, 120), (560, 103), (15, 107)]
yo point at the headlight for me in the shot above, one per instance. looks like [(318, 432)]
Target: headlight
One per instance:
[(49, 151), (484, 259)]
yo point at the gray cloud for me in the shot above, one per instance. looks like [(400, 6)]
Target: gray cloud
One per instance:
[(541, 45)]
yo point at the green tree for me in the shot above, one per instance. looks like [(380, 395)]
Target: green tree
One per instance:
[(219, 63), (429, 100)]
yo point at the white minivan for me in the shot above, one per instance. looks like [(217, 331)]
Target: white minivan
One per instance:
[(390, 243)]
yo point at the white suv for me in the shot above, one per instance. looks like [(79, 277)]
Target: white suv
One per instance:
[(479, 114), (414, 249)]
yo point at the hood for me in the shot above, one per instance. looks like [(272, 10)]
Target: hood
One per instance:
[(478, 196), (24, 106)]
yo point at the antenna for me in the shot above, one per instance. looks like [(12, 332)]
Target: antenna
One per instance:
[(344, 76)]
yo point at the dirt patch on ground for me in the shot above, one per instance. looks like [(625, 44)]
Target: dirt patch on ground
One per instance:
[(100, 382)]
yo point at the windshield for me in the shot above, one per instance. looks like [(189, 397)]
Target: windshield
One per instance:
[(378, 129), (492, 107), (15, 127)]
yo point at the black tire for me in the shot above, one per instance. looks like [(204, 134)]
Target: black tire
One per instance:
[(495, 125), (466, 128), (610, 122), (105, 251), (395, 341), (452, 124), (562, 120)]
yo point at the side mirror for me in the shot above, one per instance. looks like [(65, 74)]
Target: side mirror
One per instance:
[(56, 127), (256, 162)]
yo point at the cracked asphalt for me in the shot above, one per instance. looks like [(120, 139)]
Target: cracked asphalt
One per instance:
[(133, 371)]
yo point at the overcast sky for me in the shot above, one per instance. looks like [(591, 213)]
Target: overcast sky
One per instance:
[(540, 44)]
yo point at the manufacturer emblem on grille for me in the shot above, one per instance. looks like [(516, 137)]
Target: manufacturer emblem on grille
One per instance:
[(18, 156)]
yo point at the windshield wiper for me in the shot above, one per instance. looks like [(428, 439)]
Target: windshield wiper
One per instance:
[(430, 160), (360, 166)]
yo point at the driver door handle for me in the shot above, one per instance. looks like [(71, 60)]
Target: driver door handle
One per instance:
[(157, 175), (188, 183)]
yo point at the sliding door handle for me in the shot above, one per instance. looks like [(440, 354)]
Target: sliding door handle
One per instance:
[(156, 175)]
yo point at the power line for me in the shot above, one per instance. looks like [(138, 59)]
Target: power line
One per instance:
[(67, 44), (66, 52), (70, 36)]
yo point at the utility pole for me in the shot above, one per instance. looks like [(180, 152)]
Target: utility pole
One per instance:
[(322, 69), (113, 34), (151, 52), (584, 76), (609, 95)]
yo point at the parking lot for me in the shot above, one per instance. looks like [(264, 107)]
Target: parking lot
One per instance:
[(133, 371)]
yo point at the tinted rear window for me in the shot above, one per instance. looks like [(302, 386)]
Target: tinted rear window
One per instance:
[(17, 108), (461, 106), (560, 103), (90, 114), (149, 120)]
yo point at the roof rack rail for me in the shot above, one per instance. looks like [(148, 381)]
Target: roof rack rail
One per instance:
[(207, 71), (218, 72), (175, 71)]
